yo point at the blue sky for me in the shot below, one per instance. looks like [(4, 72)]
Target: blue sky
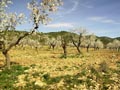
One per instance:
[(100, 17)]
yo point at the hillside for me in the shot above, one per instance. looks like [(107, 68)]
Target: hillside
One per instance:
[(104, 39), (118, 38)]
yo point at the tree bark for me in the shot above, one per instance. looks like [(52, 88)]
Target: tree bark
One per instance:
[(7, 59), (6, 50), (78, 49), (65, 50), (53, 46), (88, 48), (77, 45)]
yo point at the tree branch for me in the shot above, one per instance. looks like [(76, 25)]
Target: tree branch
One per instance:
[(18, 40)]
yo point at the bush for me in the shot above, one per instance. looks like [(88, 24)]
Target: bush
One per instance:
[(103, 67)]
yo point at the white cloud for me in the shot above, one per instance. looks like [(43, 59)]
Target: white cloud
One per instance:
[(108, 21), (75, 5), (96, 18), (59, 25), (86, 5), (103, 20), (65, 11)]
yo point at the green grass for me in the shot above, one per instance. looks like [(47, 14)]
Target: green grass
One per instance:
[(8, 77)]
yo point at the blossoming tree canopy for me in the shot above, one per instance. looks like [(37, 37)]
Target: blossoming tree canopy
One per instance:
[(40, 11), (9, 21)]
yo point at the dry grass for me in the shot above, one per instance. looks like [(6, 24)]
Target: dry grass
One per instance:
[(46, 70), (50, 60)]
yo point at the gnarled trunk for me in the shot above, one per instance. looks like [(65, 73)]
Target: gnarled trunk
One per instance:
[(53, 46), (65, 50), (88, 48), (77, 45), (6, 50), (78, 49), (7, 59)]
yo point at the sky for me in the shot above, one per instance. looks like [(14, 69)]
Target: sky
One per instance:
[(100, 17)]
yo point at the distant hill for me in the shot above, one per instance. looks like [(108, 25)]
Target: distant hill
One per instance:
[(104, 39), (118, 38), (55, 34), (60, 33)]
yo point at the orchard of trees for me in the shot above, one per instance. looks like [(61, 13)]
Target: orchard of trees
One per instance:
[(78, 37), (73, 59), (9, 21)]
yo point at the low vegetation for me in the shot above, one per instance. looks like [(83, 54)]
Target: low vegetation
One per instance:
[(32, 70)]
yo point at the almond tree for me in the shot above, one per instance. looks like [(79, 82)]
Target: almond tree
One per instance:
[(52, 42), (89, 41), (116, 44), (64, 42), (98, 44), (8, 22), (77, 40), (110, 45), (39, 15)]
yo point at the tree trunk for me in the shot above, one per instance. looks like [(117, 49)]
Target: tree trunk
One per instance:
[(88, 48), (65, 50), (7, 59), (6, 50), (78, 49), (53, 46), (36, 49), (77, 46)]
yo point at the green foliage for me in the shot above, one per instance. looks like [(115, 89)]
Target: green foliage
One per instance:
[(46, 76), (63, 56), (78, 55), (53, 80)]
